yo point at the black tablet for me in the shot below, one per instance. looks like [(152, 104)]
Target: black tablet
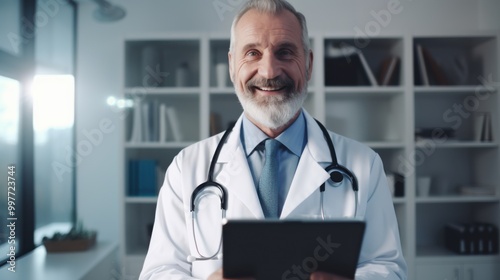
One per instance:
[(290, 249)]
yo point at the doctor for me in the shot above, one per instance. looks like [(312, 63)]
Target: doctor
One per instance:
[(270, 63)]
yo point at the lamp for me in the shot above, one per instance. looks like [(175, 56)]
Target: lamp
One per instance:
[(107, 12)]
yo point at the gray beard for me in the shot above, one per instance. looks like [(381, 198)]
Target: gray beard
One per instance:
[(273, 111)]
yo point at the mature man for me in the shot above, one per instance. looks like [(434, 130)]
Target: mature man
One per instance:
[(270, 63)]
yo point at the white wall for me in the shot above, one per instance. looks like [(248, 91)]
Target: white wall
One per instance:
[(100, 70)]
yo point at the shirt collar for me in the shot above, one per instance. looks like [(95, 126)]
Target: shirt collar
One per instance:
[(251, 136)]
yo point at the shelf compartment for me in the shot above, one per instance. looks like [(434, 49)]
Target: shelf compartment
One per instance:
[(219, 63), (224, 110), (454, 60), (160, 63), (140, 217), (181, 124), (456, 112), (453, 168), (343, 68), (366, 118), (431, 218)]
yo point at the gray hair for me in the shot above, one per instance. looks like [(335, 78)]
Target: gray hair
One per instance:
[(272, 7)]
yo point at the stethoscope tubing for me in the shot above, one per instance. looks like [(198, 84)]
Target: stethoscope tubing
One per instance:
[(337, 173)]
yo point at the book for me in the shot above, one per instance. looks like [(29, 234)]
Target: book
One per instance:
[(435, 73), (421, 66), (347, 66), (388, 70), (145, 122), (173, 122), (142, 177), (147, 178), (215, 123), (486, 134), (479, 121), (136, 134), (483, 127), (368, 71), (162, 123), (160, 176)]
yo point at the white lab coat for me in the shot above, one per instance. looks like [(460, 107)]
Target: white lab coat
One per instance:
[(172, 239)]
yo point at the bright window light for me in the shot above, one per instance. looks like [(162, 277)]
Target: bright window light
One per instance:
[(9, 110), (53, 102)]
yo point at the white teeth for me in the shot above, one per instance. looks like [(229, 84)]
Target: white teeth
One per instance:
[(268, 88)]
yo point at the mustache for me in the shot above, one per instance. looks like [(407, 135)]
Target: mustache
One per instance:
[(278, 82)]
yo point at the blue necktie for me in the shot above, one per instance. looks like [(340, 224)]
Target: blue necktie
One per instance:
[(268, 184)]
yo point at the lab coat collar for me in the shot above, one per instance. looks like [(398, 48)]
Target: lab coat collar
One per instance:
[(308, 177), (235, 168), (310, 174)]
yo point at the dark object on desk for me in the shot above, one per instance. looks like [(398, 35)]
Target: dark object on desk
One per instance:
[(285, 249), (77, 239), (70, 245), (472, 238)]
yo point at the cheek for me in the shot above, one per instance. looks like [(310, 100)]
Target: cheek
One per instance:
[(298, 73), (243, 73)]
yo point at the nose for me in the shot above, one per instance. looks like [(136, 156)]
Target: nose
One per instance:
[(269, 66)]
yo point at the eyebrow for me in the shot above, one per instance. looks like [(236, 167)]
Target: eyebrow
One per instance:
[(286, 45)]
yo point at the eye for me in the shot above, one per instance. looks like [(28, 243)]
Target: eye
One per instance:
[(285, 53), (252, 53)]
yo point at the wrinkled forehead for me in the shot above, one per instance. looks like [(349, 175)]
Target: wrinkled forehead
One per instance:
[(256, 27)]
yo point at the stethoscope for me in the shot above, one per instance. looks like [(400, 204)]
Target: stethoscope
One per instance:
[(337, 174)]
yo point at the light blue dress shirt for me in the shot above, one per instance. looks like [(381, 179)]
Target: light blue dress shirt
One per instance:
[(293, 141)]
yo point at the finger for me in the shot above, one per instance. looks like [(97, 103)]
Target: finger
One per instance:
[(318, 275), (218, 275)]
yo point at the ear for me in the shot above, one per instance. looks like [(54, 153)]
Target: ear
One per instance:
[(310, 66), (230, 62)]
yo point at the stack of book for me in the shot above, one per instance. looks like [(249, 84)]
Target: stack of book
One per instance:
[(346, 65), (154, 122), (144, 177), (482, 126), (430, 72), (472, 238)]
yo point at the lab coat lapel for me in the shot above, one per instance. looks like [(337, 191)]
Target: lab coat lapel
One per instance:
[(310, 174), (235, 175)]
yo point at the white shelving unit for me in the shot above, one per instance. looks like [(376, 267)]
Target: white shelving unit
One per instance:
[(383, 117)]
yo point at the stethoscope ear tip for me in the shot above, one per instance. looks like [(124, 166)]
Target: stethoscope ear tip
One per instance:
[(191, 258)]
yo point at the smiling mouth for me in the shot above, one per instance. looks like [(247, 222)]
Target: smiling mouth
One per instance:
[(270, 89)]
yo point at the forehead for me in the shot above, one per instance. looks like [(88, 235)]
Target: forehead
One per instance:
[(255, 27)]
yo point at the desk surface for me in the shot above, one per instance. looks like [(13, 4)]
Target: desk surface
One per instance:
[(75, 265)]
